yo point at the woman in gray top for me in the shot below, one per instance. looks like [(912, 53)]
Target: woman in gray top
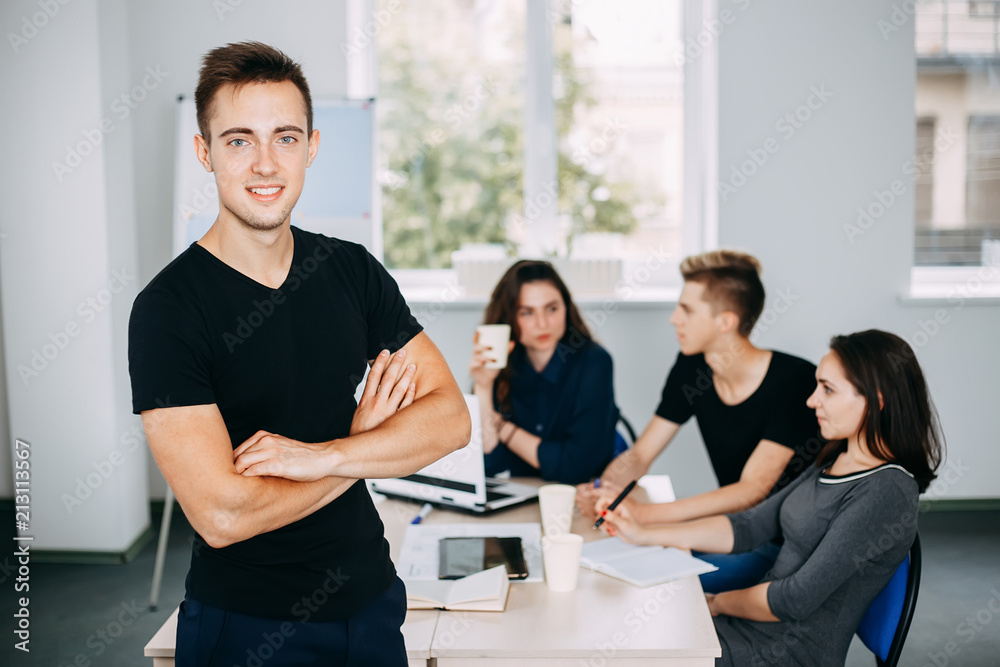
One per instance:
[(846, 525)]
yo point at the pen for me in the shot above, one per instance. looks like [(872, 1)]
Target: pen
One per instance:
[(612, 506), (422, 514)]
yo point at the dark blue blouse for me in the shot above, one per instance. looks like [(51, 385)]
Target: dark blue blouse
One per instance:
[(570, 405)]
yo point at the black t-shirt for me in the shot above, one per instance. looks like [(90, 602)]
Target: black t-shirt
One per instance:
[(288, 361), (776, 411)]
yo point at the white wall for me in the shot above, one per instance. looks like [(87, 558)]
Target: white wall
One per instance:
[(67, 234)]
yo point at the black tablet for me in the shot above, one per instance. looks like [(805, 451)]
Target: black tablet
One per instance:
[(462, 556)]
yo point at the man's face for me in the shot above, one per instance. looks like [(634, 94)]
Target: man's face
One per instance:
[(259, 152), (695, 320)]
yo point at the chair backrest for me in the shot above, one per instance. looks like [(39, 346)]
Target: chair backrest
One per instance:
[(624, 435), (887, 621)]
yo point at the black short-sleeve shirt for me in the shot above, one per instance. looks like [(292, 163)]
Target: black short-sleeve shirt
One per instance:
[(288, 361), (776, 411)]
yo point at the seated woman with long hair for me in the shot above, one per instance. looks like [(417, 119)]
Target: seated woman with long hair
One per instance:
[(847, 524), (551, 412)]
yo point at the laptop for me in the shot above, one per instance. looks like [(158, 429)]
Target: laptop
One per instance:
[(458, 481)]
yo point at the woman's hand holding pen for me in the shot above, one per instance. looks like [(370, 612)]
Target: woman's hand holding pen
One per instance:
[(620, 523), (607, 494)]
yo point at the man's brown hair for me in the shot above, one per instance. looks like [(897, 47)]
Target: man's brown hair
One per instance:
[(732, 282), (241, 64)]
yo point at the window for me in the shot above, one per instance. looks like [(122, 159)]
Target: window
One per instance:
[(546, 128), (957, 162)]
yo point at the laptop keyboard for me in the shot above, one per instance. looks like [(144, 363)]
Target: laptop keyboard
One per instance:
[(495, 495)]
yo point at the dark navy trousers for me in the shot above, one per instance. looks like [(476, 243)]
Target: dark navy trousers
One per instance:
[(212, 637)]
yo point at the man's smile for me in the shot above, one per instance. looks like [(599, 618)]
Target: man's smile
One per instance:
[(266, 192)]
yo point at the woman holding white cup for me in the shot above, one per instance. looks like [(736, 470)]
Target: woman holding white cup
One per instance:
[(550, 410)]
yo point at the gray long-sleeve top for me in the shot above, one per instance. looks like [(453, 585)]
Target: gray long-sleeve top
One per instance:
[(844, 537)]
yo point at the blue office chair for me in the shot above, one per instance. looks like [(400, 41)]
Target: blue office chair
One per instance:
[(884, 626), (624, 436)]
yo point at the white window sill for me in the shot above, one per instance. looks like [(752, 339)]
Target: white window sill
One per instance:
[(440, 286), (947, 285)]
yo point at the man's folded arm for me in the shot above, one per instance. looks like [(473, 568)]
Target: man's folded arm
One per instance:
[(436, 424), (193, 451), (264, 488)]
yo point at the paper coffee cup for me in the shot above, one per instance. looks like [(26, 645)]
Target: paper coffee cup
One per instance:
[(497, 337), (561, 561), (556, 502)]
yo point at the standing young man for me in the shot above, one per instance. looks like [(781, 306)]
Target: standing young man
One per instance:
[(257, 431), (750, 405)]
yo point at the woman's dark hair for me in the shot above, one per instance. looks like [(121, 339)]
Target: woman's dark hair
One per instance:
[(905, 428), (502, 309)]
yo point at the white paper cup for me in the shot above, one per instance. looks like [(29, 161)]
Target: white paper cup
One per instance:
[(497, 337), (561, 560), (556, 502)]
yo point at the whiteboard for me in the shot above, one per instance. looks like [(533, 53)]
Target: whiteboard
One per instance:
[(338, 198)]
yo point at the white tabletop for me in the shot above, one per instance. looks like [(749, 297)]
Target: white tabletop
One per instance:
[(604, 621)]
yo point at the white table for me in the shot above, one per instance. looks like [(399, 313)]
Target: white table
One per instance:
[(605, 622)]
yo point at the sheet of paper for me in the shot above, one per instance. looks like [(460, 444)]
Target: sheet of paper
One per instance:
[(640, 565), (645, 568), (418, 557), (611, 548)]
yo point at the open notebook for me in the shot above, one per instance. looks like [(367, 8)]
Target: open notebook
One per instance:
[(482, 591), (640, 565)]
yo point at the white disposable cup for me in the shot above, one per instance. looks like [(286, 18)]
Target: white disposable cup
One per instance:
[(561, 559), (556, 502), (497, 337)]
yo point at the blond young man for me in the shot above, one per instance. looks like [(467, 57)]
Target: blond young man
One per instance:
[(750, 405)]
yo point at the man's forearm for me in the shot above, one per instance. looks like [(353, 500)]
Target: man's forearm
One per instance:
[(725, 500), (432, 427), (257, 505)]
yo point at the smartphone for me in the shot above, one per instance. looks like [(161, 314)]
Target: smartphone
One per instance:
[(462, 556)]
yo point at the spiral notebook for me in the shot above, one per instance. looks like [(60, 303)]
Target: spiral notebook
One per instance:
[(641, 565)]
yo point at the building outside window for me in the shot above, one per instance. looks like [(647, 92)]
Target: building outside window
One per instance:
[(957, 162)]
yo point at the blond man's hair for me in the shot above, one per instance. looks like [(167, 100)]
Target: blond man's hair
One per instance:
[(732, 282)]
